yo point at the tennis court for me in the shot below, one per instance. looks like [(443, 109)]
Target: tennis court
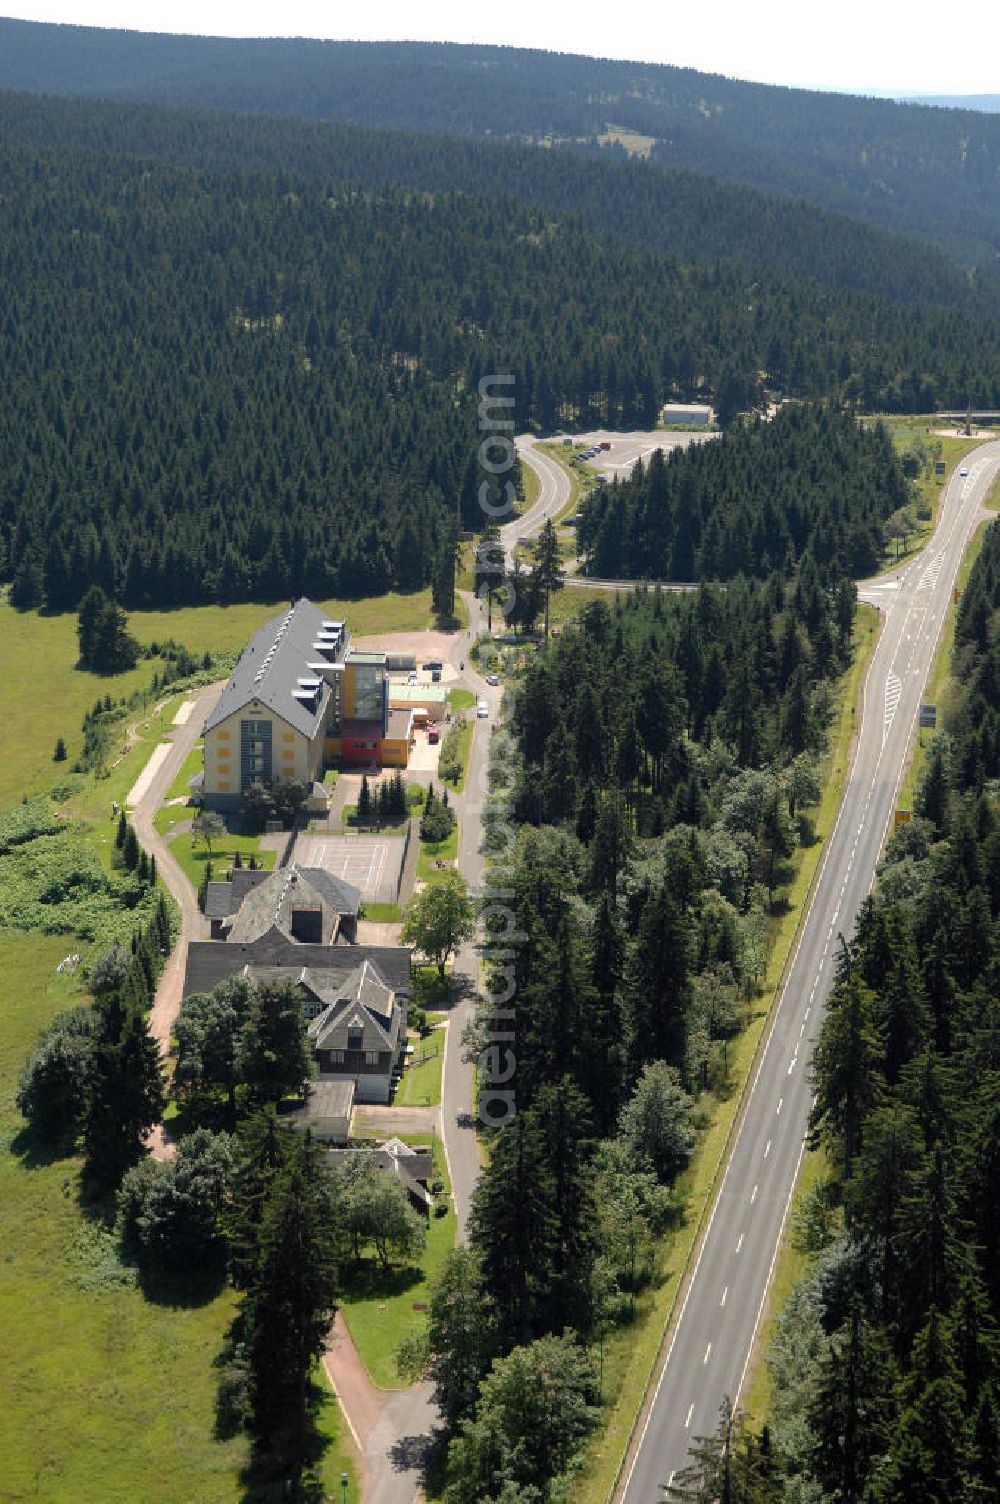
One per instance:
[(371, 863)]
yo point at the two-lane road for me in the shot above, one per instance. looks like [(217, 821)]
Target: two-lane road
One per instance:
[(709, 1350)]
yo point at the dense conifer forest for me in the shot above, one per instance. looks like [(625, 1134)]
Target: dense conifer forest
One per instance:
[(929, 173), (811, 480), (239, 386), (690, 216)]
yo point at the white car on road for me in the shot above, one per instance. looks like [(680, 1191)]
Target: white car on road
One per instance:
[(483, 710)]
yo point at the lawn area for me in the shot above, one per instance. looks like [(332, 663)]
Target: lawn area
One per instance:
[(437, 851), (631, 1352), (421, 1082), (192, 764), (571, 599), (45, 696), (219, 628), (350, 818), (581, 480), (192, 853), (378, 1308), (430, 991), (381, 913), (460, 699), (531, 486), (463, 731), (107, 1397)]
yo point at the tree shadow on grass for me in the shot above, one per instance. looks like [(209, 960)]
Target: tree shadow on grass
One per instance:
[(807, 831), (367, 1280), (181, 1289), (287, 1468), (36, 1151)]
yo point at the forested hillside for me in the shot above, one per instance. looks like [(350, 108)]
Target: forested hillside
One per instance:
[(813, 480), (929, 173), (234, 386), (886, 1361), (692, 217)]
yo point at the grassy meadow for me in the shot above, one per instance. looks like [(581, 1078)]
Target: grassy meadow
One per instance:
[(43, 695), (107, 1396)]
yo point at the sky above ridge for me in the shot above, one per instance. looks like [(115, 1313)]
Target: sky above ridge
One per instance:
[(867, 46)]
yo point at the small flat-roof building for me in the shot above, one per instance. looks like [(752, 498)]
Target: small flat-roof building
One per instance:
[(326, 1111), (687, 414), (432, 698)]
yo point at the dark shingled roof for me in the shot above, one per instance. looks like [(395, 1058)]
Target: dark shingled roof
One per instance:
[(274, 660), (212, 961)]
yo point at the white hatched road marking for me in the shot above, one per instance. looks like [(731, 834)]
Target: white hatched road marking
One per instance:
[(929, 578), (893, 690)]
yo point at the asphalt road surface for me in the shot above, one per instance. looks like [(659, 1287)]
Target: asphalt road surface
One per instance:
[(554, 492), (709, 1351)]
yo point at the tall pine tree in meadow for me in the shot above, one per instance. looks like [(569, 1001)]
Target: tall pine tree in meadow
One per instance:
[(290, 1303), (126, 1092)]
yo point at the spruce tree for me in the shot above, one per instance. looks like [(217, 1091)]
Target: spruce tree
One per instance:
[(126, 1097), (130, 849), (364, 809), (290, 1304)]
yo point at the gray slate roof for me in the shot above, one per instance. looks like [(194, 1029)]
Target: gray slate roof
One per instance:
[(361, 1001), (291, 637), (212, 961), (254, 897)]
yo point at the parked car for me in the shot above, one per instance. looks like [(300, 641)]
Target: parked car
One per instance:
[(483, 710), (493, 679), (964, 470), (433, 736), (604, 444), (432, 664)]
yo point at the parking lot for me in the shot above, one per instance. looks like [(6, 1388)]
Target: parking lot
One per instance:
[(371, 863), (626, 448)]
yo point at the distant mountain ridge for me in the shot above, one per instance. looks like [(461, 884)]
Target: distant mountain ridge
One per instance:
[(929, 173), (989, 103), (692, 217)]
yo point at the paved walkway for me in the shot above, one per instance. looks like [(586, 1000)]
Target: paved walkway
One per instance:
[(193, 925), (392, 1428)]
